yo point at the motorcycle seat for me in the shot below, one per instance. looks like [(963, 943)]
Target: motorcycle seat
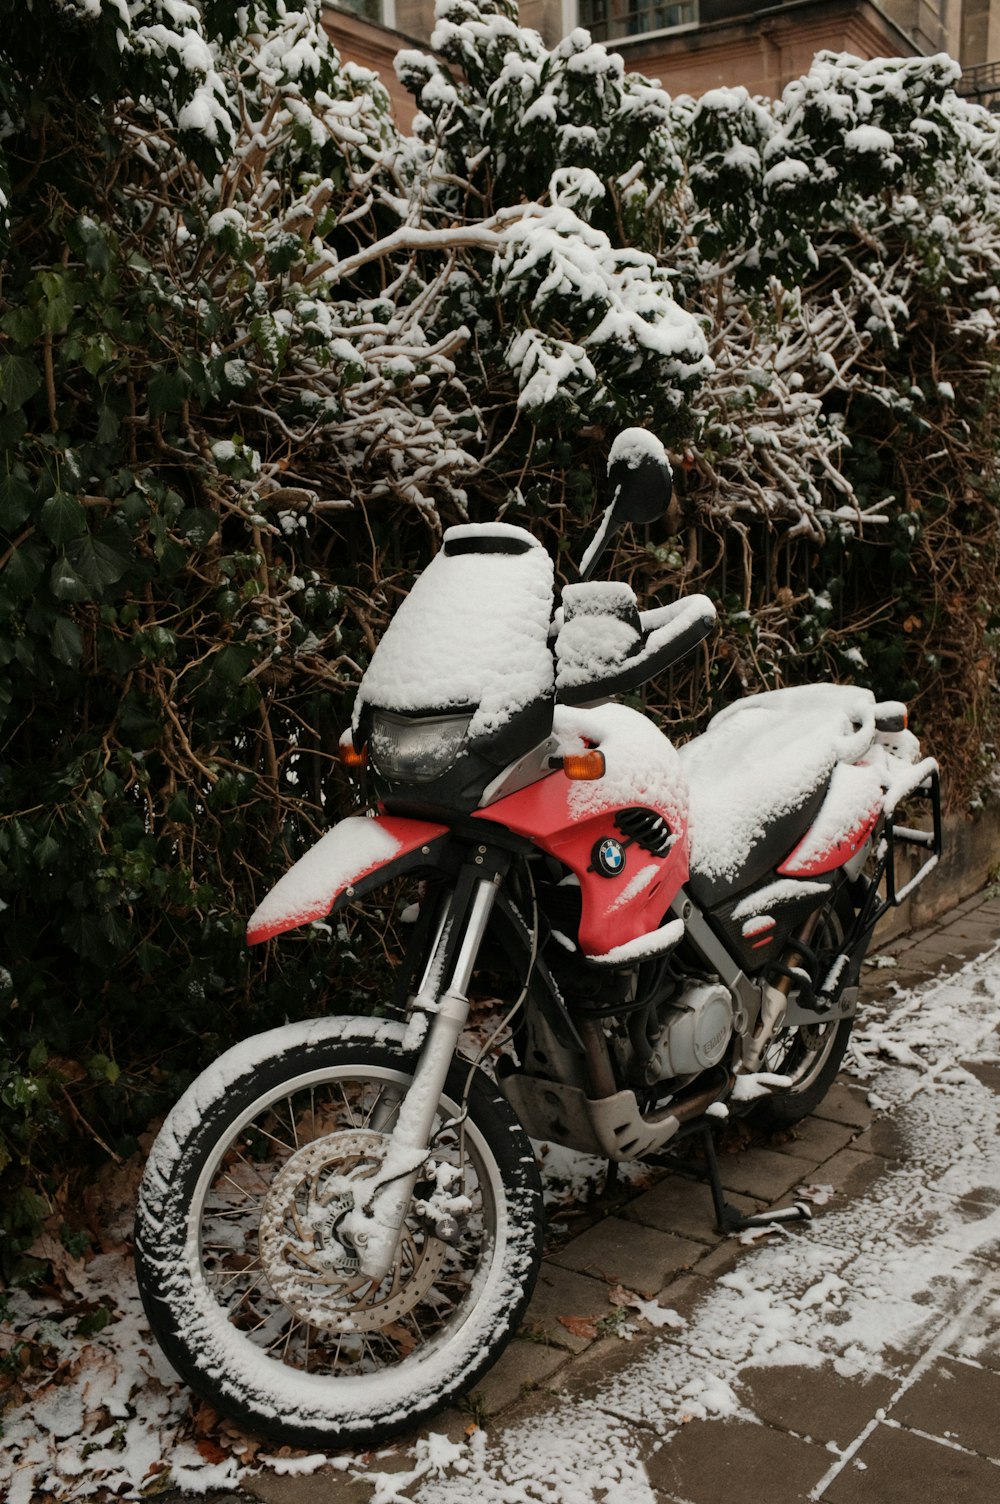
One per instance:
[(757, 777)]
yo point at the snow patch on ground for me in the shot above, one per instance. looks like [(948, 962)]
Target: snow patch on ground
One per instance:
[(855, 1289), (866, 1282)]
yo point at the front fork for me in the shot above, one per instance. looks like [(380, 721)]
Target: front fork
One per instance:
[(374, 1226)]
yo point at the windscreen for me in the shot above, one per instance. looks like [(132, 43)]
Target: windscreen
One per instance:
[(472, 633)]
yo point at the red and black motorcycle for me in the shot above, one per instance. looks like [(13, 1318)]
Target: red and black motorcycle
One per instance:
[(340, 1223)]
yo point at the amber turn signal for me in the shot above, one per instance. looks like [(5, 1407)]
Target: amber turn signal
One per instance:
[(584, 767), (351, 757)]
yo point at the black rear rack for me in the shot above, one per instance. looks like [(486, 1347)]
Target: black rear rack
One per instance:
[(873, 906), (927, 840)]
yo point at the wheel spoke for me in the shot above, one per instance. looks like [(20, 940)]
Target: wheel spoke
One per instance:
[(241, 1274), (352, 1119), (289, 1108), (240, 1188), (280, 1142), (284, 1338), (234, 1213), (273, 1182)]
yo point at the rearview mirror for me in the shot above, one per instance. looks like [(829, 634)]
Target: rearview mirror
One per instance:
[(640, 481)]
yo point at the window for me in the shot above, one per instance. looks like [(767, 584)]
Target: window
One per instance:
[(606, 19), (368, 10)]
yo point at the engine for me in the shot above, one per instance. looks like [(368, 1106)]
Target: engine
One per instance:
[(691, 1034)]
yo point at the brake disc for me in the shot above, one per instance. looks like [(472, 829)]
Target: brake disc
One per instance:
[(311, 1264)]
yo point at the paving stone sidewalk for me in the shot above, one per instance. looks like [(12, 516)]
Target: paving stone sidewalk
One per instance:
[(932, 1429)]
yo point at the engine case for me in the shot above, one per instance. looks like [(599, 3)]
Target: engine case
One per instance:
[(694, 1033)]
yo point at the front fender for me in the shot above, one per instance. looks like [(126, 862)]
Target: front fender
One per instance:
[(358, 854)]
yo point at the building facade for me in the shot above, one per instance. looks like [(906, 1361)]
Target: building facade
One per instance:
[(693, 45)]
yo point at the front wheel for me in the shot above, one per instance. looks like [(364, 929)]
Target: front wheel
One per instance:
[(250, 1291)]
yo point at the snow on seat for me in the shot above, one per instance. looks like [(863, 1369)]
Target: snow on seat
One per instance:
[(758, 775)]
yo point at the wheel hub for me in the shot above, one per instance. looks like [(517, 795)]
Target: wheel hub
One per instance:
[(309, 1260)]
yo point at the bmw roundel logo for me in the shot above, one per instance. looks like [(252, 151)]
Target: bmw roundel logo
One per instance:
[(609, 857)]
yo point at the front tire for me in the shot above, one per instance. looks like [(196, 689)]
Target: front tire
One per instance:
[(254, 1299)]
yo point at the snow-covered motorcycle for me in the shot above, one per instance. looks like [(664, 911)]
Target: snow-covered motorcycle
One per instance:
[(340, 1223)]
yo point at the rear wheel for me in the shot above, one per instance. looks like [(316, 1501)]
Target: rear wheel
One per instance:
[(252, 1286), (810, 1054)]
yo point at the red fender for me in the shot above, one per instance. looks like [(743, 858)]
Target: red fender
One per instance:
[(358, 854)]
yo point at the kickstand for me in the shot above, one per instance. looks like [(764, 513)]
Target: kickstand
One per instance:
[(727, 1218)]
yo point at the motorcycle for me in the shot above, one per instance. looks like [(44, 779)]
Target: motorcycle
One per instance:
[(340, 1223)]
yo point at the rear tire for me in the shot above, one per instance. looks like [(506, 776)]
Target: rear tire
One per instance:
[(252, 1290), (811, 1054)]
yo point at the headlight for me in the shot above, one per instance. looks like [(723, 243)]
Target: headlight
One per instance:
[(411, 750)]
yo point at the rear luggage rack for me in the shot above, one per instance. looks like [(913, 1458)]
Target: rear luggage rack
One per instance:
[(841, 975), (894, 836)]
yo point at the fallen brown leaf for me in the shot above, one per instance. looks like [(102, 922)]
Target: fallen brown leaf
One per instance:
[(205, 1419), (619, 1296), (210, 1450), (69, 1274), (580, 1326)]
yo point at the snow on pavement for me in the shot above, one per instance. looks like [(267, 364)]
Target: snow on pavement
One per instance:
[(864, 1283), (851, 1290)]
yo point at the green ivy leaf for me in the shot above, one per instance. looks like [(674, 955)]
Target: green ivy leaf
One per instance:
[(22, 324), (65, 583), (270, 338), (16, 499), (96, 561), (283, 250), (67, 645), (151, 958), (13, 427), (93, 1322), (89, 238), (172, 557), (108, 425), (57, 300), (63, 518), (23, 570), (38, 1055), (200, 524), (179, 808), (103, 1069), (139, 726), (231, 663), (97, 353), (19, 380), (166, 391), (157, 645), (46, 852)]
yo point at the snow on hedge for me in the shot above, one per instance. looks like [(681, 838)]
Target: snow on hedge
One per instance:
[(734, 269)]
